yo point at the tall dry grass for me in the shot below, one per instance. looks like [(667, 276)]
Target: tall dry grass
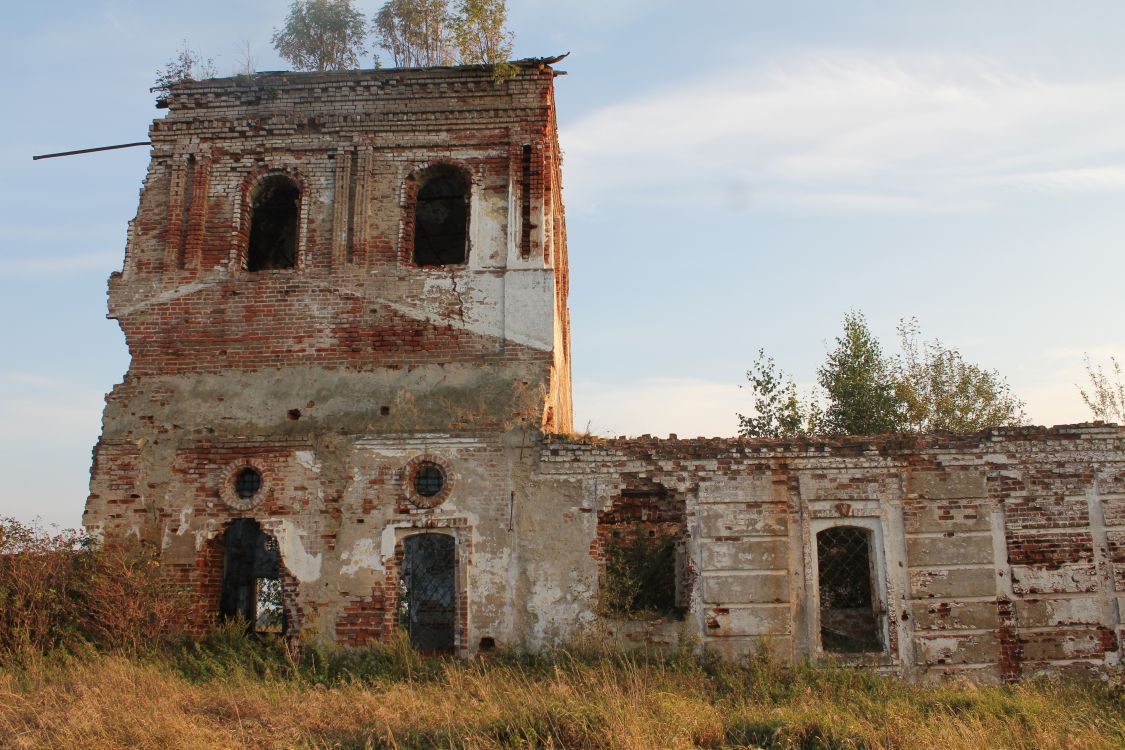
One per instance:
[(233, 692), (88, 659)]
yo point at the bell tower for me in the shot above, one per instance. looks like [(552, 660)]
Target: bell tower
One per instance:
[(322, 262)]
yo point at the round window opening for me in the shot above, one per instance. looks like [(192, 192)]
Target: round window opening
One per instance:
[(428, 479), (247, 483)]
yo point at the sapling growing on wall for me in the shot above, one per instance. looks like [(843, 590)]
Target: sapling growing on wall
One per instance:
[(1106, 394), (187, 65)]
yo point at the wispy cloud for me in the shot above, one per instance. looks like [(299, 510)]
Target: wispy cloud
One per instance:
[(854, 132)]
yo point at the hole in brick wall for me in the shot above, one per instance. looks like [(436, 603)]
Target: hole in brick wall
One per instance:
[(252, 586), (273, 225), (645, 572), (441, 219), (294, 414), (848, 620), (488, 643), (384, 410)]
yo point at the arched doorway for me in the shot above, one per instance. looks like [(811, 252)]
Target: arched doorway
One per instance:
[(428, 592), (252, 578)]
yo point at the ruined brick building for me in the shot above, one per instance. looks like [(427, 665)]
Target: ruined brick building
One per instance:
[(348, 408)]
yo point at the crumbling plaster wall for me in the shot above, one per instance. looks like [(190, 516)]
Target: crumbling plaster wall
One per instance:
[(997, 554)]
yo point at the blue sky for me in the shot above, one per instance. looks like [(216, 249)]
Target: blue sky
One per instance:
[(738, 176)]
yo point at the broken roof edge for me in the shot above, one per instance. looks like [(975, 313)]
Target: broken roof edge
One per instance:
[(536, 64)]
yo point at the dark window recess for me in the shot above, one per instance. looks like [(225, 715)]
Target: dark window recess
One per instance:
[(273, 225), (848, 621), (428, 592), (252, 578), (247, 483), (525, 204), (441, 221), (428, 480)]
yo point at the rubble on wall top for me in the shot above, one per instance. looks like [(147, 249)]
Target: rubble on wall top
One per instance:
[(847, 444), (284, 77)]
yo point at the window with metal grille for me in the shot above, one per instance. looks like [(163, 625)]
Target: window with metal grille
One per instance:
[(428, 592), (247, 483), (273, 224), (428, 479), (848, 619)]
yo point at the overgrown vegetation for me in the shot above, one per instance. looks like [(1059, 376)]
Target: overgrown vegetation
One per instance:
[(187, 65), (926, 387), (90, 658), (70, 676), (60, 590), (322, 35), (331, 34), (231, 691), (1105, 395), (640, 576)]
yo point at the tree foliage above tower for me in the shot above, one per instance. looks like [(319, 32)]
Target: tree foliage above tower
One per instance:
[(431, 32), (415, 32), (479, 28), (927, 387), (322, 35)]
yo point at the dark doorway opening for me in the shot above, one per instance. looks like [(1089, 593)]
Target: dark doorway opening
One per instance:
[(273, 225), (428, 591), (252, 578), (441, 220), (849, 622)]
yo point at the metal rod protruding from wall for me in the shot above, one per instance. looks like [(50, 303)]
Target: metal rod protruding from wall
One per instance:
[(90, 150)]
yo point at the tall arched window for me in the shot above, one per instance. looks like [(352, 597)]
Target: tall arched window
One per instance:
[(441, 217), (849, 620), (274, 212)]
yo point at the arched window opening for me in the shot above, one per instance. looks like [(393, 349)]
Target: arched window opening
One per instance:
[(252, 578), (849, 622), (428, 592), (441, 219), (273, 225)]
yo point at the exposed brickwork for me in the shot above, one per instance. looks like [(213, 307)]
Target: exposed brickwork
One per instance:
[(993, 555)]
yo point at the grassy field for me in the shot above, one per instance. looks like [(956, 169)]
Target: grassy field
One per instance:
[(228, 692)]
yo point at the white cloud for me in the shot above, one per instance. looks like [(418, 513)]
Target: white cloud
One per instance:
[(854, 132)]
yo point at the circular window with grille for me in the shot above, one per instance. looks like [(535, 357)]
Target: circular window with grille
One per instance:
[(247, 483), (243, 486), (428, 482), (429, 479)]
